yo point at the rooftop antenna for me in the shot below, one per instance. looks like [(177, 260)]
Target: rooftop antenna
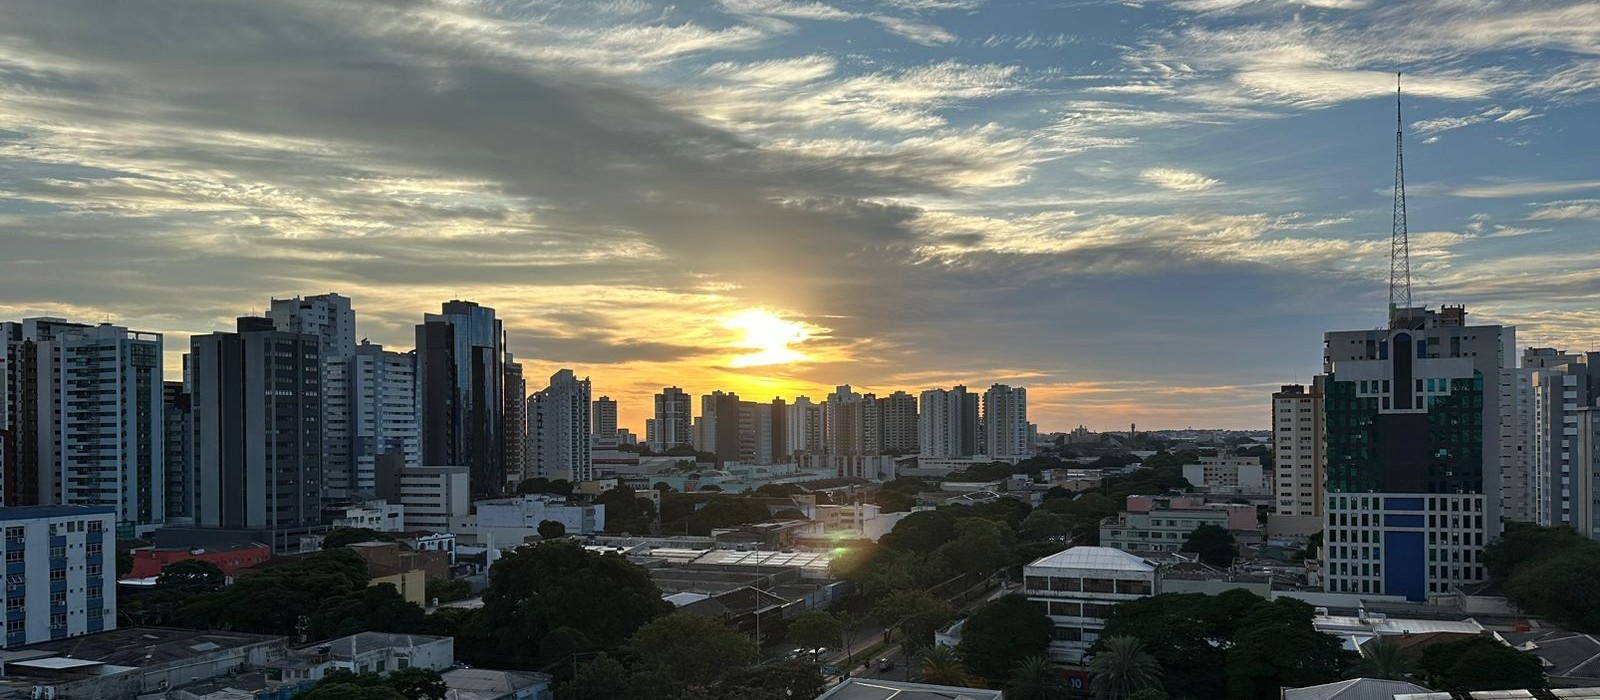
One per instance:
[(1399, 241)]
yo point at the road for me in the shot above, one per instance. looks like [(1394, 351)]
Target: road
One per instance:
[(872, 635)]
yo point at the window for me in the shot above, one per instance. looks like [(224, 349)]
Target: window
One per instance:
[(1133, 587), (1067, 609), (1099, 585), (1065, 584), (14, 533), (16, 626), (58, 574), (1037, 583), (15, 603), (58, 621), (14, 556)]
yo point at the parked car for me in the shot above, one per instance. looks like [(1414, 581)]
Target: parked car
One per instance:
[(885, 664)]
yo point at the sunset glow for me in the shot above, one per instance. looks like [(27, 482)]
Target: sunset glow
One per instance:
[(767, 338)]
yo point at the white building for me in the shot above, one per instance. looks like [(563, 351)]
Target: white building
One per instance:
[(1006, 434), (61, 565), (509, 521), (104, 408), (853, 521), (436, 499), (673, 422), (805, 432), (558, 429), (374, 515), (869, 467), (1227, 474), (369, 409), (1560, 395), (1078, 588), (383, 653), (327, 316), (947, 424), (1297, 451)]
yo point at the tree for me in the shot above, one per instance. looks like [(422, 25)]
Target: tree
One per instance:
[(417, 683), (918, 615), (1214, 544), (1149, 694), (1043, 524), (378, 608), (537, 589), (785, 680), (349, 691), (1275, 646), (345, 536), (1036, 679), (815, 629), (600, 678), (1559, 588), (1479, 663), (192, 576), (626, 511), (552, 529), (1001, 632), (1122, 667), (269, 599), (685, 653), (1383, 658), (941, 665), (1179, 630), (447, 590), (979, 547), (921, 532), (1522, 544)]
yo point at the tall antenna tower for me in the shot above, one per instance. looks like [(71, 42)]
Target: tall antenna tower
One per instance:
[(1399, 242)]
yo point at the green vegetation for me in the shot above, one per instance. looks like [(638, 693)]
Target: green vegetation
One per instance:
[(552, 530), (626, 511), (1480, 663), (1037, 679), (999, 633), (404, 684), (1233, 645), (557, 487), (1214, 544), (339, 537), (1548, 572), (1122, 668), (942, 666), (815, 629)]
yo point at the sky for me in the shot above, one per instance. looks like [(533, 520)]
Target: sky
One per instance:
[(1144, 211)]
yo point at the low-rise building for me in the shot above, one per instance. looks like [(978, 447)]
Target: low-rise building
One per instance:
[(509, 521), (876, 689), (230, 558), (374, 515), (433, 498), (1078, 588), (489, 684), (131, 662), (1227, 473), (1163, 524), (60, 572), (853, 521)]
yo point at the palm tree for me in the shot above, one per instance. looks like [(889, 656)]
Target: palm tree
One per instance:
[(940, 665), (1036, 679), (1383, 658), (1122, 667)]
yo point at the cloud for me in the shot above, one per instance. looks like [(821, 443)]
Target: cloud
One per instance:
[(1178, 180), (1525, 189), (918, 32), (1570, 210)]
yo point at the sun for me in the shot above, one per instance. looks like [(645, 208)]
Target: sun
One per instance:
[(766, 338)]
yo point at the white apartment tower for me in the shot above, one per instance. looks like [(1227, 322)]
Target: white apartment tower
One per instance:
[(1005, 423), (558, 428), (947, 425), (673, 424), (805, 432), (100, 409), (61, 572), (327, 316), (370, 409), (1297, 450)]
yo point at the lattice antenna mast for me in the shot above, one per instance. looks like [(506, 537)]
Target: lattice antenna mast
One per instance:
[(1399, 242)]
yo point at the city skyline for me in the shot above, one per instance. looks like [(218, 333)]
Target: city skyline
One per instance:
[(1138, 223)]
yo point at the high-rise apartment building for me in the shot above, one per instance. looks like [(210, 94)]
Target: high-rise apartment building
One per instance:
[(673, 424), (558, 427), (1297, 444), (948, 423), (104, 408), (61, 572), (178, 421), (844, 422), (604, 420), (1562, 389), (370, 409), (329, 317), (30, 354), (460, 357), (1412, 432), (514, 424), (803, 432), (256, 396), (1005, 423), (720, 426), (897, 431)]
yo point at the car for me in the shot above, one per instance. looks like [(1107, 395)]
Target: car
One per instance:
[(885, 664)]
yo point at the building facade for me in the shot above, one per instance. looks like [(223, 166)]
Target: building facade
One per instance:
[(256, 396), (1227, 473), (947, 425), (514, 425), (673, 424), (558, 427), (61, 572), (844, 422), (1079, 588), (1298, 451), (604, 418), (370, 409), (329, 317), (178, 422), (804, 431), (1006, 433), (461, 386), (1412, 431)]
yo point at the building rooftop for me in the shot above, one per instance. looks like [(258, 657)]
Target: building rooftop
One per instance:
[(31, 512), (1564, 654), (363, 642), (143, 646), (1565, 693), (872, 689), (1354, 689), (1104, 558), (488, 684)]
